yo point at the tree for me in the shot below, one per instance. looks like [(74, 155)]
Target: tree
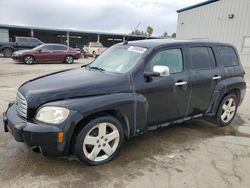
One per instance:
[(173, 35), (150, 30), (138, 32), (164, 35)]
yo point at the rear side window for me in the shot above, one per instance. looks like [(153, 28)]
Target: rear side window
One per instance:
[(59, 48), (228, 56), (171, 58), (202, 58)]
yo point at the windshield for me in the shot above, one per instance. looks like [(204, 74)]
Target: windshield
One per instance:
[(120, 59)]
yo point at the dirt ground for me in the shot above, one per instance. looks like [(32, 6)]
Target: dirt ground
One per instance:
[(194, 154)]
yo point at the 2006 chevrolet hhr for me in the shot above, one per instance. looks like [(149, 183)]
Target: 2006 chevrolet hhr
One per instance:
[(131, 88)]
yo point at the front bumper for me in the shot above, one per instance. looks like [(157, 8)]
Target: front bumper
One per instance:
[(42, 136), (17, 58)]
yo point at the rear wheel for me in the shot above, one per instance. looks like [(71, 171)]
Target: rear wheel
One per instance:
[(7, 52), (28, 60), (69, 59), (99, 141), (227, 110)]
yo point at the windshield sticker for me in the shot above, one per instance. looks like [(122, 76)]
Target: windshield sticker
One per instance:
[(137, 49)]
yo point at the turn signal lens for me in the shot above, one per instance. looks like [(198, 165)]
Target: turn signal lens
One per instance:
[(60, 137)]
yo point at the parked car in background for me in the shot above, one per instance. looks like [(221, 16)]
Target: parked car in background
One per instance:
[(48, 53), (20, 43), (130, 89), (93, 49)]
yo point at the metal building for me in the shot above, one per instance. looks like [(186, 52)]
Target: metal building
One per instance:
[(218, 20)]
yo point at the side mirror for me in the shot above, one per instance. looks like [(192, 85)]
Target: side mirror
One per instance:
[(157, 72), (162, 70)]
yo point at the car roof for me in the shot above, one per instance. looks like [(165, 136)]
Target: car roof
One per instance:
[(52, 44), (152, 43)]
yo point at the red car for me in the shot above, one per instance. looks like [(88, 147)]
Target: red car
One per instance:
[(47, 52)]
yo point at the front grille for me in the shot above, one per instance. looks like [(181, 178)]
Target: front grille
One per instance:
[(21, 105)]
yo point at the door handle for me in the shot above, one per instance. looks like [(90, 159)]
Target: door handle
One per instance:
[(216, 77), (181, 83)]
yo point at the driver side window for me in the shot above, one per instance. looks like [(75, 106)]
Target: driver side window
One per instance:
[(171, 58)]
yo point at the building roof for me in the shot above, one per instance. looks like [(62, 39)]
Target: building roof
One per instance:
[(196, 5), (7, 26)]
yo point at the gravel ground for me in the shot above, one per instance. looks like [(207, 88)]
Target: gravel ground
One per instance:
[(192, 154)]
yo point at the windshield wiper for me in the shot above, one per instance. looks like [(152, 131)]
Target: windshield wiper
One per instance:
[(97, 68)]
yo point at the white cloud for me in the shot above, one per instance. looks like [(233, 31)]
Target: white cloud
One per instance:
[(98, 15)]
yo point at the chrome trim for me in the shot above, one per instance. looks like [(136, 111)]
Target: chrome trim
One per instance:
[(21, 105), (180, 83), (216, 77)]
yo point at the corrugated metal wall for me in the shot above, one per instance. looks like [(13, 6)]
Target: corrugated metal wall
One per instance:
[(212, 22), (4, 35)]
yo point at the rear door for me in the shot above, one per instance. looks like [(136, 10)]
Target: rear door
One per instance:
[(59, 52), (204, 75)]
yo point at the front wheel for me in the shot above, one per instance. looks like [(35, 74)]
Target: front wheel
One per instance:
[(99, 141), (28, 60), (227, 110)]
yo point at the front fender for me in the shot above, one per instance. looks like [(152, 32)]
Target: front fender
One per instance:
[(120, 102)]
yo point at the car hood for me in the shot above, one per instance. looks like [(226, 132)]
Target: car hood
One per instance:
[(21, 51), (79, 82)]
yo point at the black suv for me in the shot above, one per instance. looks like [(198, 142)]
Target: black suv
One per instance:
[(130, 89), (20, 43)]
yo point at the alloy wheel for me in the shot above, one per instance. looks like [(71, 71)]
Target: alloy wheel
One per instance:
[(28, 60), (101, 142), (69, 59), (228, 110)]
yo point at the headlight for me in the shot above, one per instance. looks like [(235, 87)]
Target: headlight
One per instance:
[(51, 114), (18, 53)]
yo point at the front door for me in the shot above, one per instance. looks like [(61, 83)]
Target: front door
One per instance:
[(45, 53), (167, 97)]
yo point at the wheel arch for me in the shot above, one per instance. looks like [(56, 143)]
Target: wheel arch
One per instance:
[(229, 86), (29, 55), (7, 47), (122, 118)]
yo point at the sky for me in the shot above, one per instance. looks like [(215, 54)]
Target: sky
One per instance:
[(116, 16)]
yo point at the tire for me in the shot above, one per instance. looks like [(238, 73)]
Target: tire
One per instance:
[(28, 59), (7, 52), (94, 146), (69, 59), (227, 110), (94, 54)]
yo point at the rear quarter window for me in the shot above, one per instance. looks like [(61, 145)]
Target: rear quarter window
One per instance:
[(229, 57)]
